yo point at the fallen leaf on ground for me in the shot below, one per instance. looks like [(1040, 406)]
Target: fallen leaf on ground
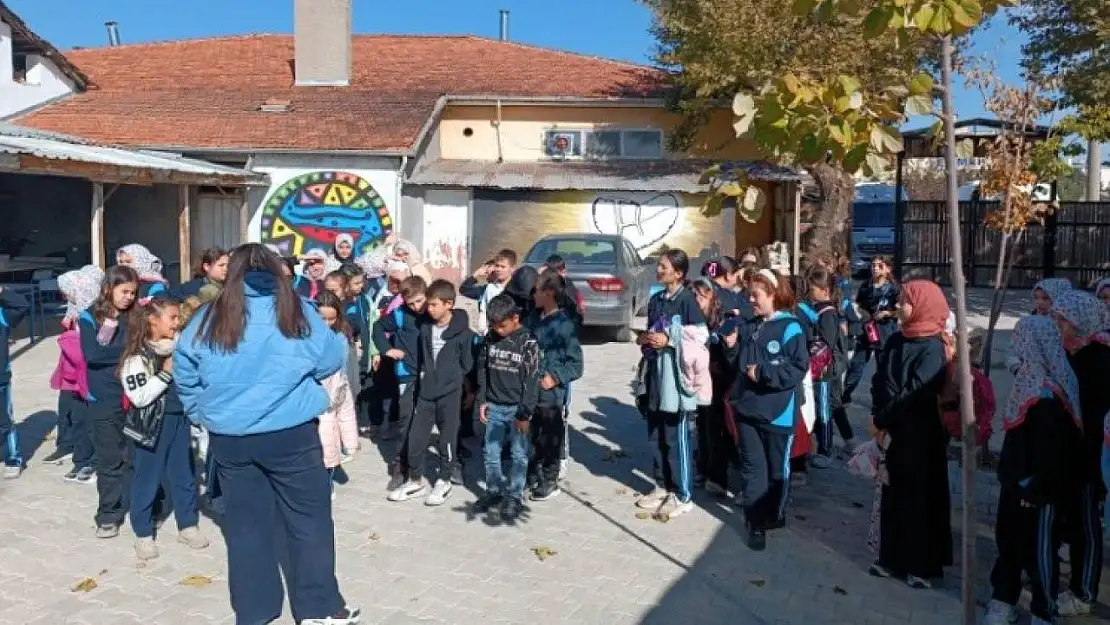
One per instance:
[(195, 581), (622, 491), (662, 517), (139, 564), (373, 536), (102, 572), (840, 591), (643, 516), (758, 582), (543, 553), (84, 585)]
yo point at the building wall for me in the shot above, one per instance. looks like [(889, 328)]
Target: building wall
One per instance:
[(146, 215), (470, 132), (42, 84), (314, 198), (53, 213), (516, 219)]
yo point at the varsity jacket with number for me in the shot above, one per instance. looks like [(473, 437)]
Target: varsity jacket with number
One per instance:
[(144, 382)]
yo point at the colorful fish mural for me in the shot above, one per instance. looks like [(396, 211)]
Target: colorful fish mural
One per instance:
[(310, 210)]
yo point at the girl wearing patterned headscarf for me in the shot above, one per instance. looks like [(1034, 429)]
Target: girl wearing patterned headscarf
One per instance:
[(80, 287), (1038, 466), (1080, 317), (406, 251), (915, 537), (1046, 292), (147, 265)]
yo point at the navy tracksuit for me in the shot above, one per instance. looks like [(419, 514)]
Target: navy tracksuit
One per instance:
[(872, 299)]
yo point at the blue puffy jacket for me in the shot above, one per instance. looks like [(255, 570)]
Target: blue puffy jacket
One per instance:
[(270, 382)]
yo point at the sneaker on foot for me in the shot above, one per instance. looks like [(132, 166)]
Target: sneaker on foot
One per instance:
[(673, 507), (545, 491), (58, 457), (999, 613), (714, 488), (652, 500), (1070, 605), (347, 616), (192, 537), (920, 583), (511, 508), (145, 549), (820, 461), (409, 490), (372, 431), (457, 474), (395, 481), (84, 475), (441, 491), (699, 481), (107, 531), (849, 446), (564, 466), (12, 470), (879, 570), (487, 502), (757, 540)]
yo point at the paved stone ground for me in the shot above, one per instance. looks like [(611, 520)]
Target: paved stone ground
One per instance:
[(409, 564)]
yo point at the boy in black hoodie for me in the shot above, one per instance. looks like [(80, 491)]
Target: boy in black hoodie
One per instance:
[(13, 308), (508, 390), (560, 364), (444, 359), (397, 337)]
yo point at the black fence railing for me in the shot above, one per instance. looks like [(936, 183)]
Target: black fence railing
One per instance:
[(1073, 243)]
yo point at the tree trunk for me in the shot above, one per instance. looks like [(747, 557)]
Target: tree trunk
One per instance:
[(1001, 286), (831, 229), (1094, 172)]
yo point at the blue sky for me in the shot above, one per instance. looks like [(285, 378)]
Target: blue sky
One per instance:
[(610, 28)]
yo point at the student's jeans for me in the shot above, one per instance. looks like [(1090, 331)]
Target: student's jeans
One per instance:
[(168, 461), (1028, 539), (672, 451), (765, 474), (13, 457), (106, 418), (501, 426), (73, 429), (282, 470)]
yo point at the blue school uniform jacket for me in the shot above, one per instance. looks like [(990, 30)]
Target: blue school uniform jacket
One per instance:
[(560, 353), (778, 350), (13, 308)]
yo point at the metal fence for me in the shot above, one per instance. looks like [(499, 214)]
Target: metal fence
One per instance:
[(1073, 243)]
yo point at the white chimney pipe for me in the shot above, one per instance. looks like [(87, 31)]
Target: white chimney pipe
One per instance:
[(504, 25), (113, 33), (322, 43)]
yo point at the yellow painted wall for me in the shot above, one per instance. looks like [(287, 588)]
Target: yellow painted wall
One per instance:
[(522, 129)]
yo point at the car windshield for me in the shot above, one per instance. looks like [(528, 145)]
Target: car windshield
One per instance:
[(576, 251)]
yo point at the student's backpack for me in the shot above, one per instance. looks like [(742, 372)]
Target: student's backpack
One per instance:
[(822, 357)]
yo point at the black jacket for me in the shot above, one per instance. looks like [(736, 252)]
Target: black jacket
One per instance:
[(444, 374), (400, 330), (509, 372), (1041, 457), (13, 308), (824, 320), (560, 353), (778, 350), (1090, 365), (873, 299), (102, 361), (909, 377)]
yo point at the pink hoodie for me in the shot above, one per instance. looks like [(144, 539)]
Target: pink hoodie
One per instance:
[(338, 424), (72, 373), (695, 363)]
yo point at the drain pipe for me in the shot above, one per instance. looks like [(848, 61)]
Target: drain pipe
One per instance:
[(497, 131)]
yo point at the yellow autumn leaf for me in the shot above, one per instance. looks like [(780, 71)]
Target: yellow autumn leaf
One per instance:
[(84, 585), (195, 581), (543, 553)]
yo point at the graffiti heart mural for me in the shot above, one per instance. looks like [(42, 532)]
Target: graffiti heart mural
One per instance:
[(310, 210), (645, 222)]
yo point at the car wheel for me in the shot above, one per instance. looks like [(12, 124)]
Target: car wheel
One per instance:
[(624, 334)]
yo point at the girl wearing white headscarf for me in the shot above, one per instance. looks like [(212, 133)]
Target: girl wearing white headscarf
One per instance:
[(80, 287), (406, 251), (147, 265), (343, 251), (1037, 469)]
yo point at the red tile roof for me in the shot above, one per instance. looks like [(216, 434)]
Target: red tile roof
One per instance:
[(206, 93)]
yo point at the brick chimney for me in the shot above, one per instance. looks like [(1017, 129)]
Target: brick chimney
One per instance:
[(322, 43)]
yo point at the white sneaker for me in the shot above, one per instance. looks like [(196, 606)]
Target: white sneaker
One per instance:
[(145, 549), (564, 464), (1070, 605), (820, 461), (441, 491), (349, 615), (652, 500), (999, 613), (672, 507), (192, 537), (12, 471), (411, 489)]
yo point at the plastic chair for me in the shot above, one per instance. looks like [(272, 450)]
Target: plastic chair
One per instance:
[(51, 301)]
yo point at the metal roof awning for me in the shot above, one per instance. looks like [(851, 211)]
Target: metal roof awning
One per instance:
[(23, 150), (626, 175)]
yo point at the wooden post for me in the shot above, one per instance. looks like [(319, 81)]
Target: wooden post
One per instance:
[(184, 234), (244, 216), (796, 252), (96, 237)]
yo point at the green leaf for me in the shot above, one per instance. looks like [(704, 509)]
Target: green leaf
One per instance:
[(922, 84), (886, 139), (804, 7), (849, 84), (849, 7), (897, 91), (812, 150), (731, 189), (965, 14), (791, 82), (874, 165), (743, 104), (712, 205), (751, 206), (853, 160), (924, 17), (941, 23), (876, 22), (919, 105), (708, 175), (965, 148)]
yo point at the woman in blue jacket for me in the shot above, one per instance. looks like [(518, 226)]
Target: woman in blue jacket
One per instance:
[(770, 366), (249, 369)]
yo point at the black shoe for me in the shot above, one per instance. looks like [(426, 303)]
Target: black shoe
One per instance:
[(533, 482), (457, 474), (58, 456), (465, 452), (545, 490), (487, 502), (757, 540), (511, 508)]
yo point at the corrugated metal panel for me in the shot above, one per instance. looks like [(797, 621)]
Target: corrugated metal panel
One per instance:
[(664, 175), (22, 141)]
